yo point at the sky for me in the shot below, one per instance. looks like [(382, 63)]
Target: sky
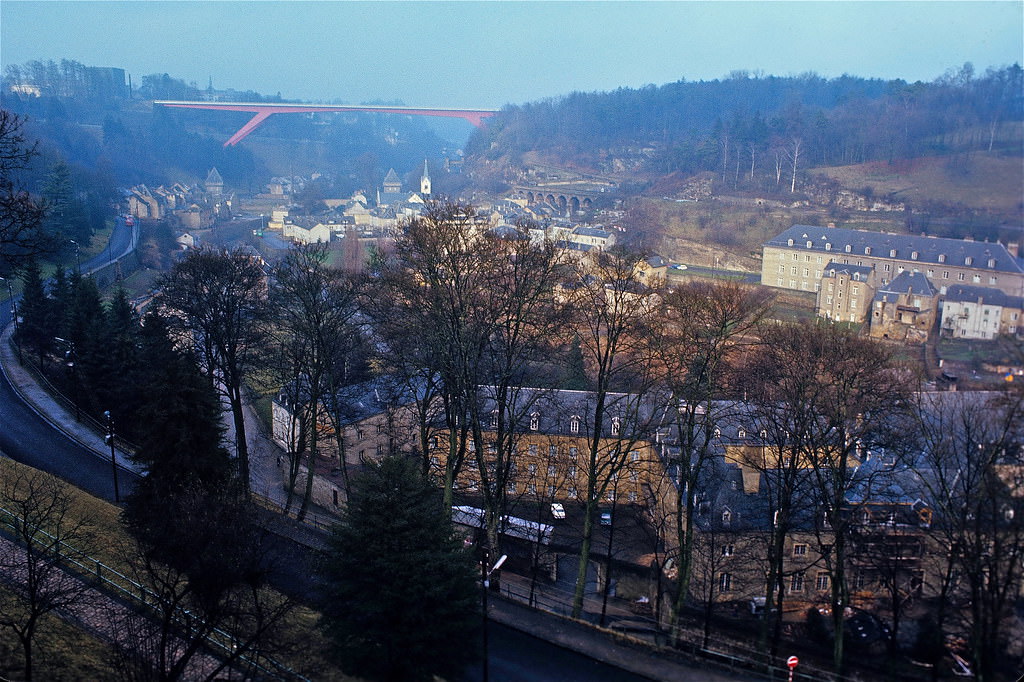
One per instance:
[(487, 54)]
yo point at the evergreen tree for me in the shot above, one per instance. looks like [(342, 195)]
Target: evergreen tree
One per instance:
[(400, 601), (37, 327), (119, 392)]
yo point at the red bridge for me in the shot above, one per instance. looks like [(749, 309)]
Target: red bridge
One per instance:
[(262, 111)]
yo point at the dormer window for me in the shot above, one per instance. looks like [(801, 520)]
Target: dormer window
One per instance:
[(968, 261), (942, 258), (574, 424), (809, 243), (726, 517), (718, 433), (535, 421), (867, 250), (616, 426), (790, 242), (892, 253), (742, 434), (913, 255), (828, 247), (849, 248), (991, 262), (856, 276), (494, 419), (764, 435)]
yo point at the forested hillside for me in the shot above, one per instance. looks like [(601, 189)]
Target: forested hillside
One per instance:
[(762, 126)]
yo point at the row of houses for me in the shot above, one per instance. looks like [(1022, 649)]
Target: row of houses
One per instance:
[(195, 207), (735, 503)]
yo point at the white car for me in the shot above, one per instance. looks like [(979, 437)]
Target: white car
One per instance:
[(678, 266), (557, 510)]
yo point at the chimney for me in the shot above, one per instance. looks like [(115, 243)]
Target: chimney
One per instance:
[(968, 238), (1014, 249)]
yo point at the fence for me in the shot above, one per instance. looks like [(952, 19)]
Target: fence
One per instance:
[(119, 585)]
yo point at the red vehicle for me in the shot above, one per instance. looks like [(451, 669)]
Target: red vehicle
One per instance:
[(129, 220)]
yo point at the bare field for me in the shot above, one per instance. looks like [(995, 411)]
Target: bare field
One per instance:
[(981, 180)]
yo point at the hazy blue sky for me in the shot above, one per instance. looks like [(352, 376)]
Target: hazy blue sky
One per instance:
[(485, 54)]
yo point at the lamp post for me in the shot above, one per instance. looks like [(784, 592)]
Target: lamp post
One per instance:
[(69, 361), (78, 255), (14, 316), (485, 574), (109, 438)]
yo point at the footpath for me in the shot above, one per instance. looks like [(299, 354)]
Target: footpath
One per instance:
[(633, 656)]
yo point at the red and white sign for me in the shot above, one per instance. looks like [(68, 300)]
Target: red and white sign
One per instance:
[(792, 661)]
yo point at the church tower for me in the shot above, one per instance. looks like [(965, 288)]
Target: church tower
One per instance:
[(425, 181)]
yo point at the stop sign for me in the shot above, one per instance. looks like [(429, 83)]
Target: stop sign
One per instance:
[(792, 661)]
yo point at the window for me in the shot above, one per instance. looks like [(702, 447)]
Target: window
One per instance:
[(991, 262), (380, 449), (551, 470), (945, 274), (718, 432), (930, 273), (494, 419), (806, 272), (616, 426), (572, 471), (573, 493), (512, 490), (763, 434), (993, 280), (789, 242), (573, 452), (552, 451), (727, 550), (796, 582), (725, 582), (610, 496), (942, 258), (726, 516), (634, 476), (782, 269), (533, 449), (886, 267), (968, 261), (534, 421), (828, 300), (892, 253), (380, 428), (821, 583), (360, 434), (741, 434), (551, 491), (794, 271), (828, 247), (848, 248), (800, 550), (574, 423), (854, 290), (976, 279), (960, 276), (809, 243), (634, 455), (913, 255), (632, 496), (532, 489), (532, 469)]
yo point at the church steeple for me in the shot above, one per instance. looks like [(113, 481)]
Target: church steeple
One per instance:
[(425, 181)]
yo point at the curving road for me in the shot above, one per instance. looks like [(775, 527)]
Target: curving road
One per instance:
[(28, 438)]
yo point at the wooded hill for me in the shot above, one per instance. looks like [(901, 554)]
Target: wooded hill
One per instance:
[(759, 127)]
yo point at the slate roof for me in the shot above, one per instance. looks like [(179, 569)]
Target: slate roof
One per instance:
[(955, 251), (907, 282), (969, 294), (833, 269)]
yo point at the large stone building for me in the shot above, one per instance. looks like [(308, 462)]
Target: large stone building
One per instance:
[(980, 313), (797, 258)]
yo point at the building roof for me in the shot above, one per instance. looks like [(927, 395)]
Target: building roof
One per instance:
[(833, 269), (908, 283), (933, 250), (969, 294)]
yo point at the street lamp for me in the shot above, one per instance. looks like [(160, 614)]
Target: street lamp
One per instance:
[(78, 255), (109, 439), (485, 574), (14, 315), (69, 361)]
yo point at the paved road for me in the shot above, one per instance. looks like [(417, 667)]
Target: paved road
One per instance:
[(28, 438)]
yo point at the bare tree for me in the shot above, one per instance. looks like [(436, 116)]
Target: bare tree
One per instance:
[(968, 454), (38, 510), (835, 394), (613, 318), (21, 215), (793, 154), (312, 322), (217, 302), (706, 327)]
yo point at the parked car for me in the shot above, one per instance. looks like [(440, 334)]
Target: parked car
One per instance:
[(606, 518)]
